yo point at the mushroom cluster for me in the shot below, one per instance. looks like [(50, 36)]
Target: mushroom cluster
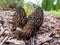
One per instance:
[(29, 25)]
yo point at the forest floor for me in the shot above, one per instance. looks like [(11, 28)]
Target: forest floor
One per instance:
[(49, 33)]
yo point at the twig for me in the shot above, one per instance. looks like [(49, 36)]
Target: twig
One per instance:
[(4, 40)]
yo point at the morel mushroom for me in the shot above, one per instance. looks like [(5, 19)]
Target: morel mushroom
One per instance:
[(19, 18), (35, 20), (29, 29), (37, 16)]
